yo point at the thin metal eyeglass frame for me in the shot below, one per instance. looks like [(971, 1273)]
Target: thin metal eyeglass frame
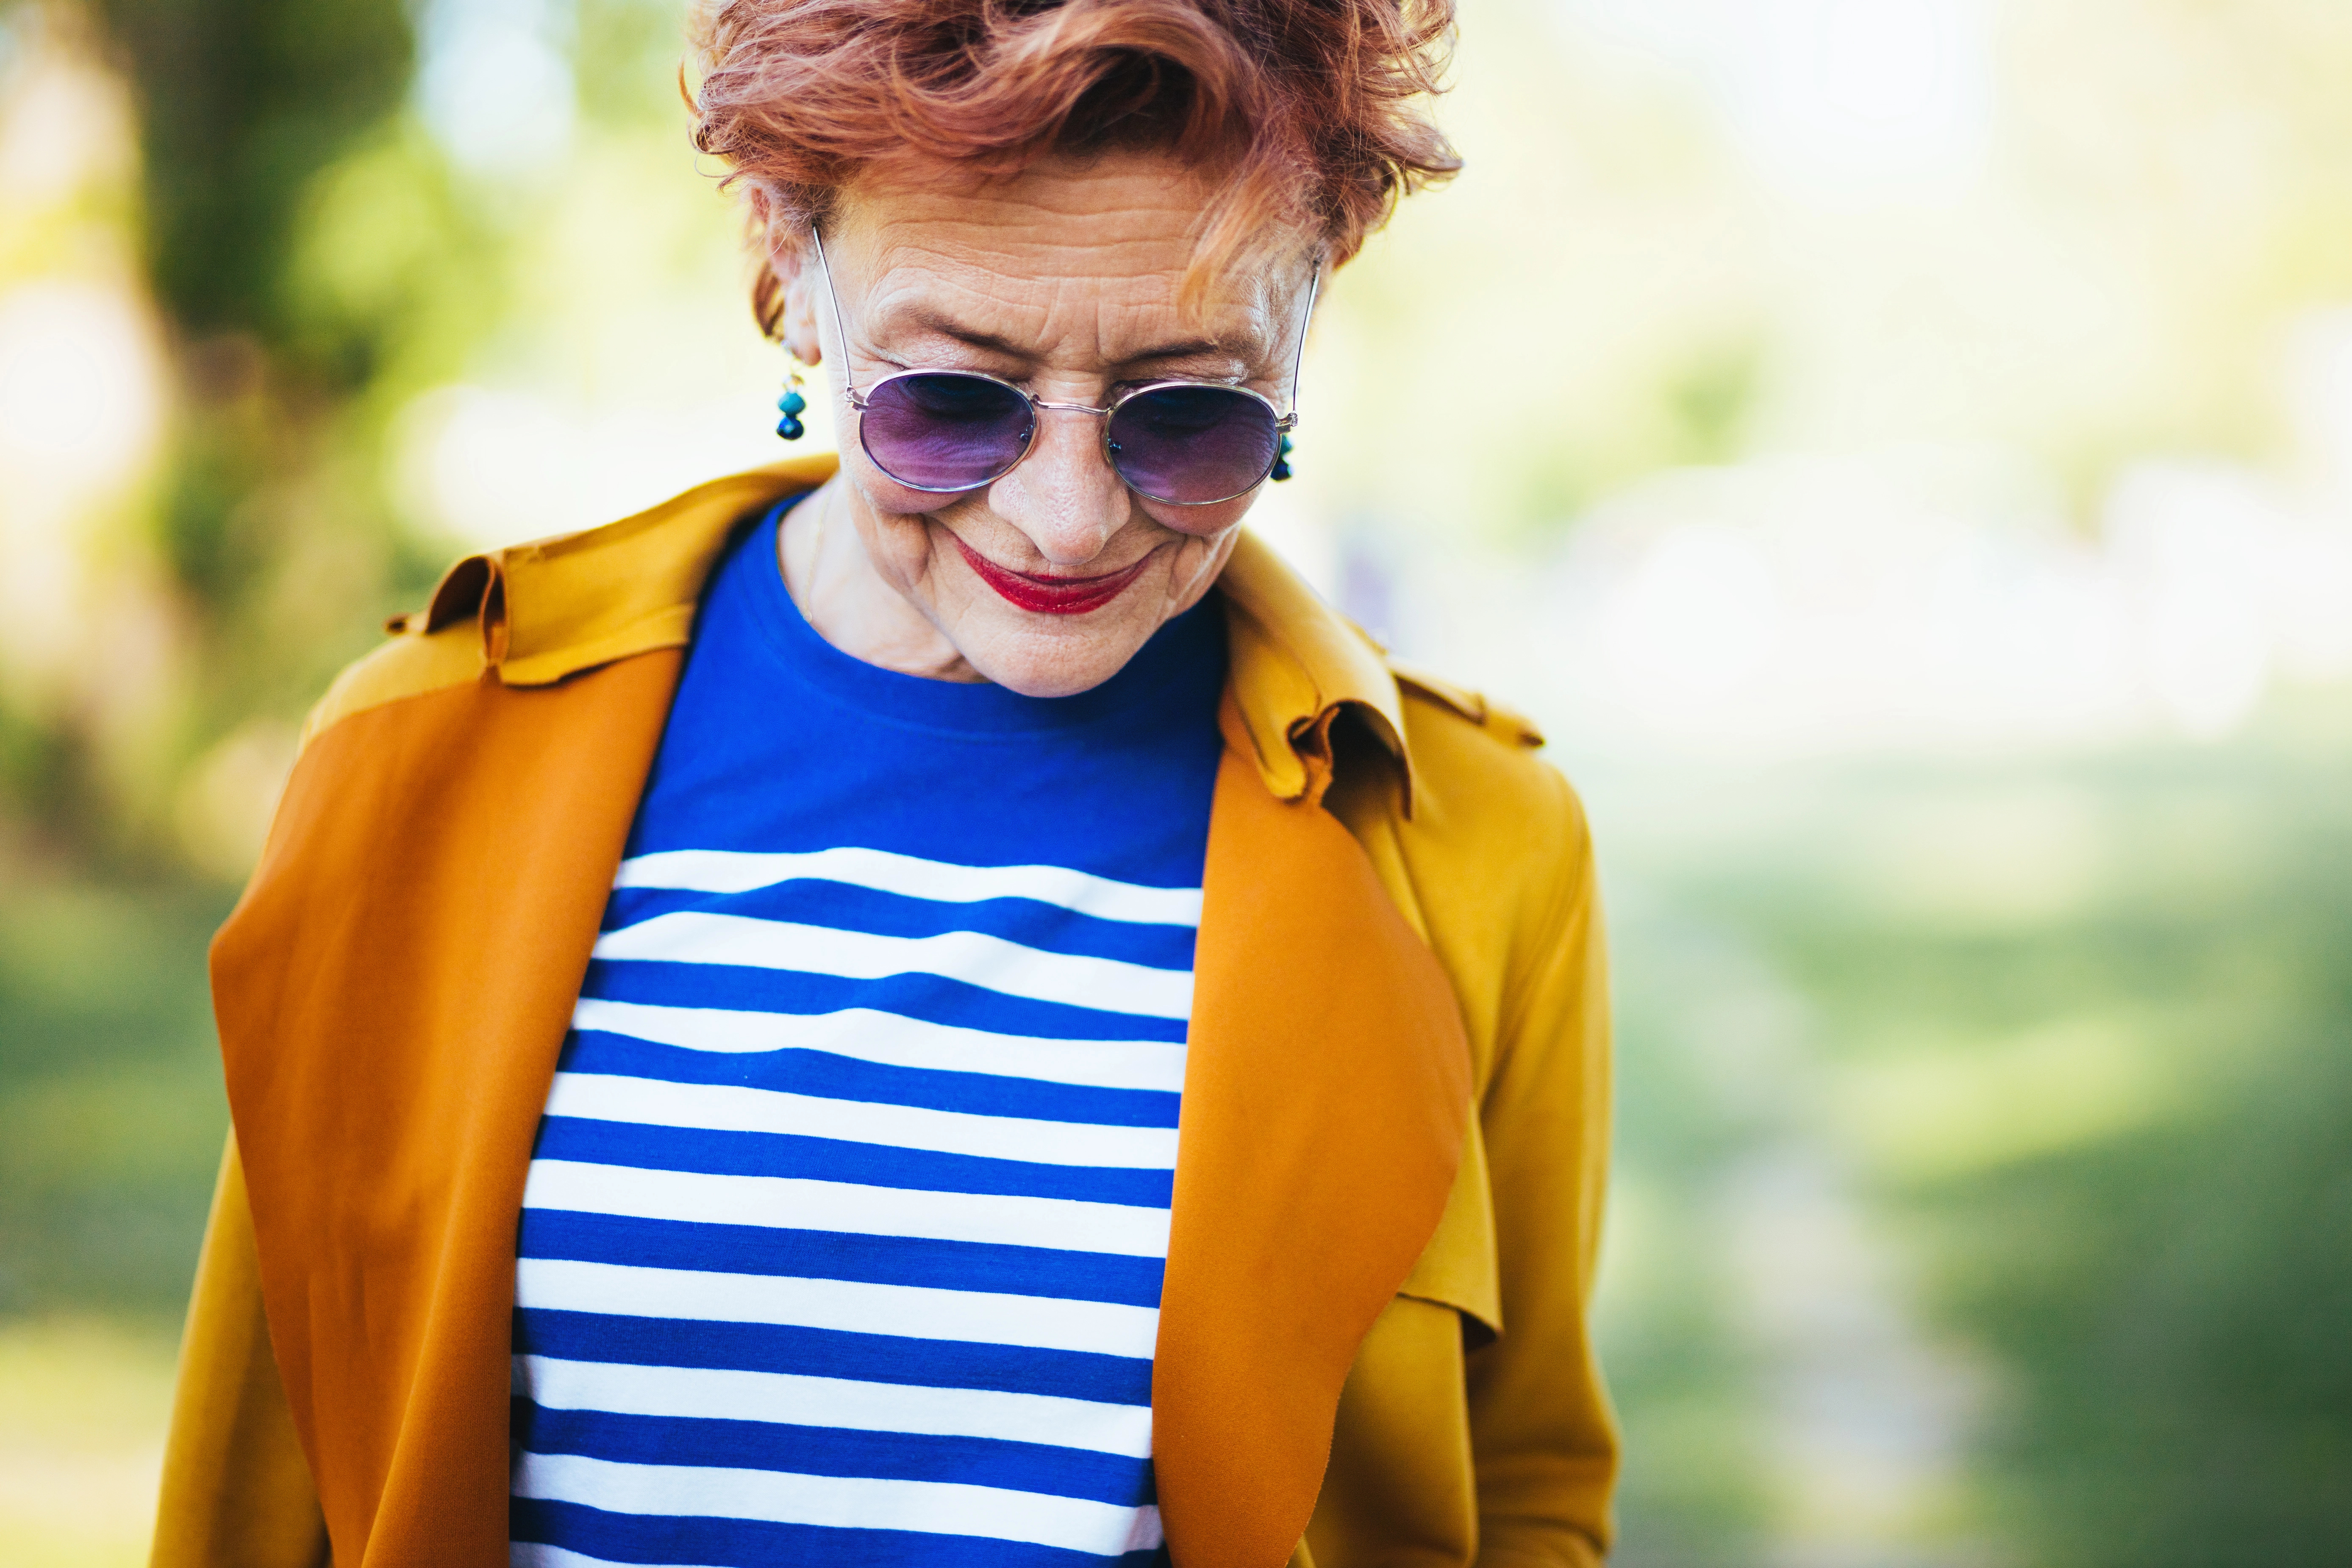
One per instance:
[(1282, 422)]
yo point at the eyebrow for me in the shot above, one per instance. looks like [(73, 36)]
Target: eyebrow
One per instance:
[(969, 337), (989, 342)]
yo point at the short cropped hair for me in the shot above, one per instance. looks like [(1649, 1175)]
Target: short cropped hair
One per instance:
[(1306, 113)]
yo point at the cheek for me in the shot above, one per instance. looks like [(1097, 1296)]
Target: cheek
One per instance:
[(894, 525), (884, 497), (1200, 522)]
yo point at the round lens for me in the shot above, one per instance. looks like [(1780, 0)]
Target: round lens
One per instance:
[(944, 430), (1192, 444)]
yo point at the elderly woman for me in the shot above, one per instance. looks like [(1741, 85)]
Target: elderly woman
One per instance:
[(939, 1009)]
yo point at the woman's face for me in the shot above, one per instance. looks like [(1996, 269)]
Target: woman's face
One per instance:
[(1064, 281)]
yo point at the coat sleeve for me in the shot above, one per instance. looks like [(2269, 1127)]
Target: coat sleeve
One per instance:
[(1542, 1436), (236, 1489)]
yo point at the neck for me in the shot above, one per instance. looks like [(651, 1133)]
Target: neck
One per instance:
[(849, 604)]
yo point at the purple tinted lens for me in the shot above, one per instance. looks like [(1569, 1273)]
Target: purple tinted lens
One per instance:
[(943, 430), (1194, 444)]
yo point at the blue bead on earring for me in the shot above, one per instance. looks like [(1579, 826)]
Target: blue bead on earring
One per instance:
[(792, 405), (1281, 461)]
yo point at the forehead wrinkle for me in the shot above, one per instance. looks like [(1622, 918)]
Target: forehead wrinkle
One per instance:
[(932, 320), (1010, 230), (953, 302), (1057, 266), (1076, 321)]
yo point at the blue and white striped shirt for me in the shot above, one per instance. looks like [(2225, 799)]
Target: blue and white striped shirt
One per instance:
[(844, 1233)]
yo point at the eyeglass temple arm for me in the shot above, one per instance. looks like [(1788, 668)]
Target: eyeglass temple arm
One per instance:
[(840, 327), (1298, 359)]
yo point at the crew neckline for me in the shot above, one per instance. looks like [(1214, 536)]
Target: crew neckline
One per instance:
[(978, 709)]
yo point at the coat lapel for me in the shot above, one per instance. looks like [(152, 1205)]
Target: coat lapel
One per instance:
[(1325, 1098), (392, 992)]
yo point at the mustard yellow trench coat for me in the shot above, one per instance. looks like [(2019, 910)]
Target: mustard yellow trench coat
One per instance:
[(1372, 1345)]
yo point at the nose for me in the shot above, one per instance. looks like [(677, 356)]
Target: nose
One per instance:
[(1064, 495)]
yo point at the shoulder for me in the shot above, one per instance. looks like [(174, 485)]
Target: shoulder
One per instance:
[(538, 613), (1496, 854), (412, 663), (1498, 845), (1478, 769)]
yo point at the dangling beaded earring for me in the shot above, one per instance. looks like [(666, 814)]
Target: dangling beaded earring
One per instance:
[(1281, 461), (792, 405)]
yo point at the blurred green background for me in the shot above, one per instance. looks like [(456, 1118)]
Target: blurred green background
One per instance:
[(1901, 450)]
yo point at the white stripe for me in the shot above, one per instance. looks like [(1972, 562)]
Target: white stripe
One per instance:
[(856, 1307), (714, 1394), (538, 1554), (727, 1108), (729, 871), (787, 1203), (1108, 984), (889, 1040), (853, 1503)]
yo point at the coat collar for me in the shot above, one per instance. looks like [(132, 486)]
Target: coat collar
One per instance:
[(553, 608)]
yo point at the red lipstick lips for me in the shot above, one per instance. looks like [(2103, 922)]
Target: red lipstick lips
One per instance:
[(1050, 596)]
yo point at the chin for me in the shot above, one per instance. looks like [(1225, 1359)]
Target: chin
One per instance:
[(1057, 663)]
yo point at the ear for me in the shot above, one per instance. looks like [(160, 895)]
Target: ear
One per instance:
[(791, 259)]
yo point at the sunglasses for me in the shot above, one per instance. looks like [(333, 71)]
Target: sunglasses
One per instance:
[(1183, 443)]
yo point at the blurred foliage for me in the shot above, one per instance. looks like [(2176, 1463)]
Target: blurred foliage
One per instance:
[(303, 243), (2165, 1299), (111, 1112), (1669, 245), (2084, 1032), (84, 1403), (242, 104)]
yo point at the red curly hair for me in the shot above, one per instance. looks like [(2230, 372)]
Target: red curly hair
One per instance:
[(1308, 110)]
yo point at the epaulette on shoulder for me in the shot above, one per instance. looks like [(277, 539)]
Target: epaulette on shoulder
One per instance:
[(414, 662), (1504, 723)]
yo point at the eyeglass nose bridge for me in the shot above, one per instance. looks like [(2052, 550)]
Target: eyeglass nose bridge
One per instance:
[(860, 401), (1044, 402)]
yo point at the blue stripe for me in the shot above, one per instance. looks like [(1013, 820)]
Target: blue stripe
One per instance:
[(830, 1076), (654, 1148), (829, 1255), (755, 1543), (776, 741), (835, 1451), (928, 996), (829, 1352), (1047, 927)]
